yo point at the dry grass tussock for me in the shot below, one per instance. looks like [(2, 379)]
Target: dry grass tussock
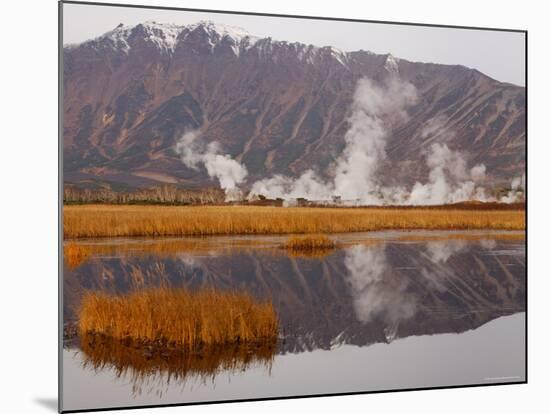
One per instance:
[(309, 242), (309, 246), (75, 254), (155, 221), (179, 317)]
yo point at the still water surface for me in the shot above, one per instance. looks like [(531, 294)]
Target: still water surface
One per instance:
[(384, 311)]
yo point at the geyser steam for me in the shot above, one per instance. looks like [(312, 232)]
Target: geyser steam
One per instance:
[(226, 170), (449, 180), (355, 170), (517, 190), (357, 166), (354, 175)]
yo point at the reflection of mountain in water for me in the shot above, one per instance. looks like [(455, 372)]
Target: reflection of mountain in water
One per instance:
[(360, 295)]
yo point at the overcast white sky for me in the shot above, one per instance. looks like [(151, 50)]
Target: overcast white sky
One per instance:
[(500, 55)]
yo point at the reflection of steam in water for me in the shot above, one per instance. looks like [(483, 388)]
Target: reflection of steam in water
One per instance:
[(439, 251), (189, 261), (192, 260), (438, 275), (376, 296), (153, 370), (488, 244), (385, 292)]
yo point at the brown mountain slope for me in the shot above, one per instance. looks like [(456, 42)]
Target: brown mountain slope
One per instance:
[(278, 107)]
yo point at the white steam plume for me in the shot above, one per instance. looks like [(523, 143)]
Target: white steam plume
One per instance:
[(449, 180), (357, 167), (226, 170), (355, 176), (516, 192)]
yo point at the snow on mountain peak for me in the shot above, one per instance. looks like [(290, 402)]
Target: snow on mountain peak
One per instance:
[(167, 36), (164, 35), (223, 30), (391, 64)]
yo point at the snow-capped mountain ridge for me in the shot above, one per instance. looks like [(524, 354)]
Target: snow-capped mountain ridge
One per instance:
[(277, 106), (167, 37)]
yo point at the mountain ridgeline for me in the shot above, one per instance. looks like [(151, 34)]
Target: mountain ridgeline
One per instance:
[(277, 107)]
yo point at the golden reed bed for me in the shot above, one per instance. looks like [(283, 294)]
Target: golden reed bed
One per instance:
[(178, 317), (152, 221)]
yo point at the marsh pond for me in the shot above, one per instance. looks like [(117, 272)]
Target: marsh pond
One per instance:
[(382, 310)]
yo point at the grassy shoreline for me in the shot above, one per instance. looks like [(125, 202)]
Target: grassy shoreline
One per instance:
[(91, 221)]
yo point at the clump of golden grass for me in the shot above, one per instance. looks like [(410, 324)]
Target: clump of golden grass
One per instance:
[(154, 221), (309, 246), (178, 316), (140, 363), (309, 242), (75, 254)]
